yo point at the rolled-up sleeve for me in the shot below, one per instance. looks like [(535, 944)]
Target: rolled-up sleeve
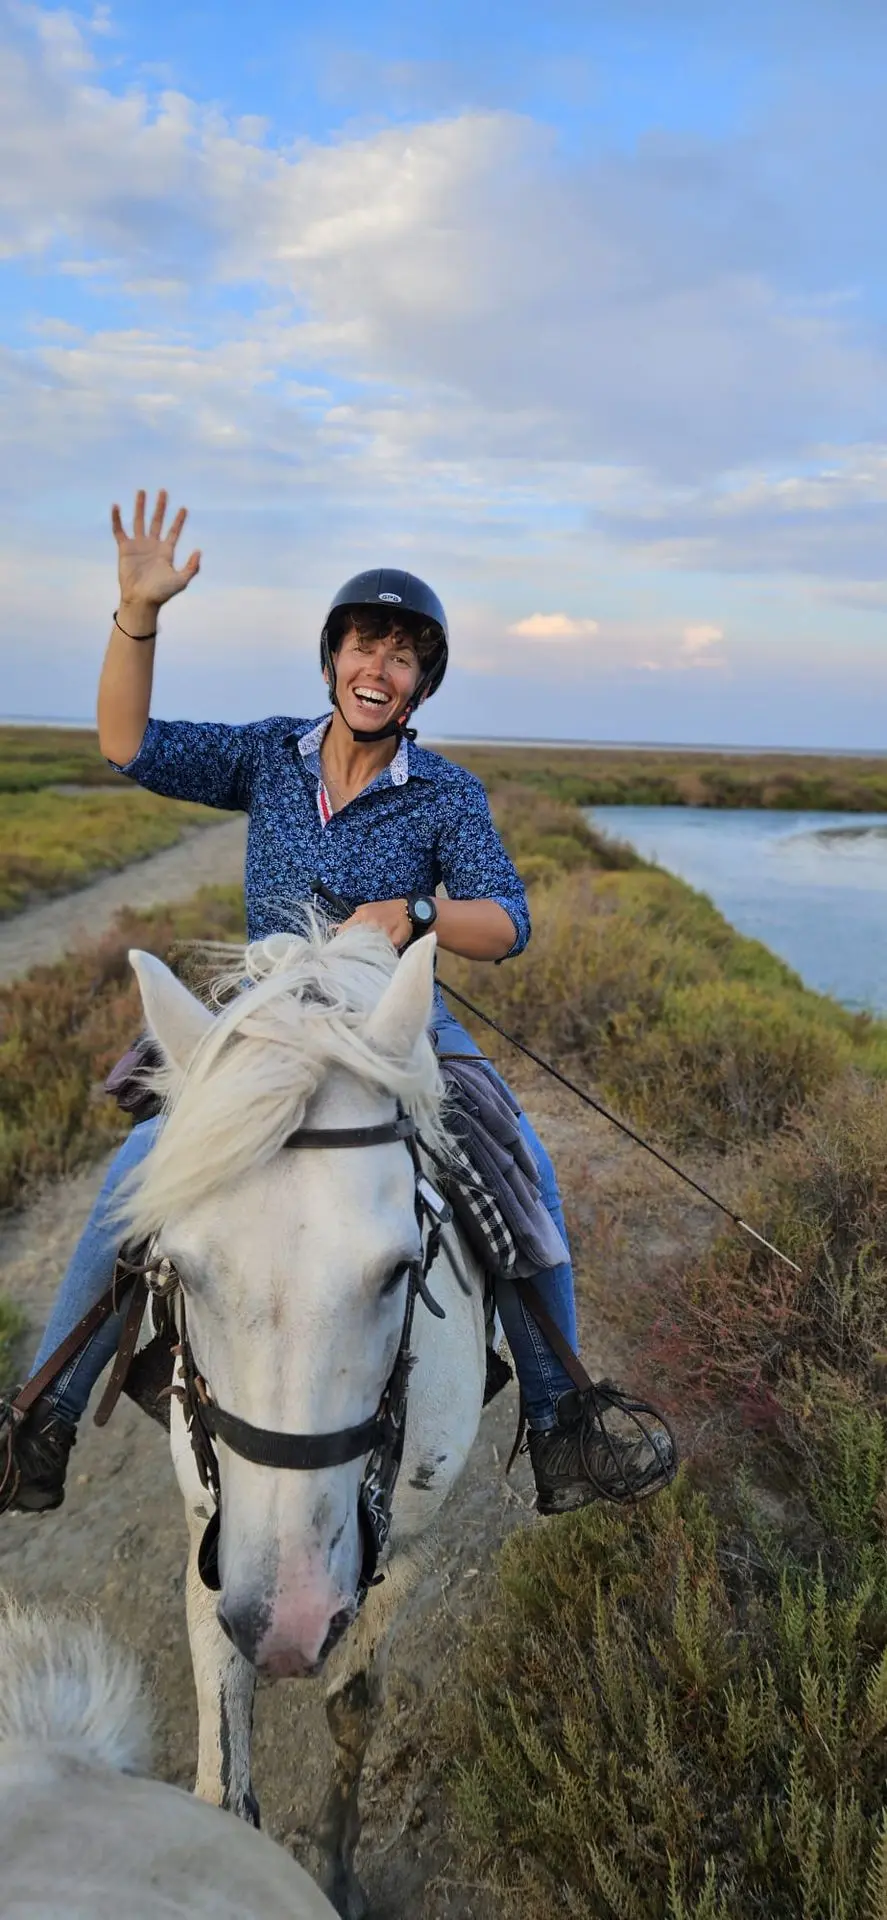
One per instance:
[(473, 862), (204, 760)]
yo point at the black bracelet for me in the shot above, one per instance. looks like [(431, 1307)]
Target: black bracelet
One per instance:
[(134, 636)]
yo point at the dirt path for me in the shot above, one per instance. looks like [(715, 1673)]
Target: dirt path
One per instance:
[(119, 1542), (206, 856)]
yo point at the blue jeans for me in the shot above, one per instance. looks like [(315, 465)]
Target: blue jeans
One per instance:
[(89, 1275), (91, 1270)]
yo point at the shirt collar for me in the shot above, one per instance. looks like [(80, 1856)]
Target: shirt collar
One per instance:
[(310, 743)]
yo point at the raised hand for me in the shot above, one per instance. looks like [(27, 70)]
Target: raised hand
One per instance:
[(146, 561)]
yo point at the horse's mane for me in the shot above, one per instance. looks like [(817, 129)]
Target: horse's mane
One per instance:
[(257, 1067)]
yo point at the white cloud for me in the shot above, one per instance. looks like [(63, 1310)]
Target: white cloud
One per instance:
[(553, 626), (828, 520), (697, 640), (447, 343), (460, 261)]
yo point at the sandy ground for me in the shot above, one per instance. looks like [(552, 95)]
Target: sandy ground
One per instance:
[(119, 1541)]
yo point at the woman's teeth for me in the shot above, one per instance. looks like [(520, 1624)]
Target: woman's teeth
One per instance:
[(369, 699)]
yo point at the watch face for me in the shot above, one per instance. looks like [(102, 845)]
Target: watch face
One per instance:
[(423, 910)]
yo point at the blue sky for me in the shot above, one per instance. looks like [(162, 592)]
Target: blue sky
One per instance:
[(578, 311)]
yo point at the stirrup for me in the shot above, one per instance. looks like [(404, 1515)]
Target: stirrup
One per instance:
[(603, 1397)]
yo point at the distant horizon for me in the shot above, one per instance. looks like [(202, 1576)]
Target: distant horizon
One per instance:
[(539, 740)]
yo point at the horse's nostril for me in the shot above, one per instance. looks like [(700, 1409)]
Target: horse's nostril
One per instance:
[(244, 1626)]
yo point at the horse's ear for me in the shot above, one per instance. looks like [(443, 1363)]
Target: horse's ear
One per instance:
[(404, 1011), (177, 1021)]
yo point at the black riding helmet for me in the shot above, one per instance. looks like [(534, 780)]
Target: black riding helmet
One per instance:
[(398, 593)]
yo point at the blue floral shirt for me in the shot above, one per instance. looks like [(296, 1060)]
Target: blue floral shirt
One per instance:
[(422, 820)]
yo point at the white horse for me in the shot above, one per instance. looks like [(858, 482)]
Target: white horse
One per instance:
[(82, 1832), (294, 1273)]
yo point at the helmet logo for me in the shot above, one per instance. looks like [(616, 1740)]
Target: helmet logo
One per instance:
[(391, 596)]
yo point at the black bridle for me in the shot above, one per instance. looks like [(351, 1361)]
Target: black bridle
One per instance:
[(379, 1440)]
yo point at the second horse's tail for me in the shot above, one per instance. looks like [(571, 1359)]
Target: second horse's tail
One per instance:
[(64, 1685)]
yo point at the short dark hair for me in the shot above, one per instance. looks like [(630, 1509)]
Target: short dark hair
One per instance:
[(377, 623)]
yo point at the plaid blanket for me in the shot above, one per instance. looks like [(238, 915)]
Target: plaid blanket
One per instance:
[(492, 1182)]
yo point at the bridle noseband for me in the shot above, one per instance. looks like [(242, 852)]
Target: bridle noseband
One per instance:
[(379, 1438)]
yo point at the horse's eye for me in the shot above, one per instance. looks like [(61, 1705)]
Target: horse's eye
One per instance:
[(395, 1278)]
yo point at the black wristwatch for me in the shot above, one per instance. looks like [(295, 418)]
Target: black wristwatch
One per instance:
[(421, 913)]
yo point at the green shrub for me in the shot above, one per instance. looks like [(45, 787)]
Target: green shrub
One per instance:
[(34, 757), (838, 1440), (725, 1063), (637, 1741), (659, 776), (738, 1324), (53, 842), (597, 971), (635, 981), (534, 825), (12, 1326)]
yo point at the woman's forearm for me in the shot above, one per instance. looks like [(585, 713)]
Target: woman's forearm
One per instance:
[(476, 929), (124, 698)]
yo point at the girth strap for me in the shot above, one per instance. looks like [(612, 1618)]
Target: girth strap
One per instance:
[(305, 1451)]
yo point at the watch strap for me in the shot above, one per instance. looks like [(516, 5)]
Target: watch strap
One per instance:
[(419, 924)]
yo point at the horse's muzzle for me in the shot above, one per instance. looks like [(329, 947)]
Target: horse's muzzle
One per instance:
[(287, 1636)]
